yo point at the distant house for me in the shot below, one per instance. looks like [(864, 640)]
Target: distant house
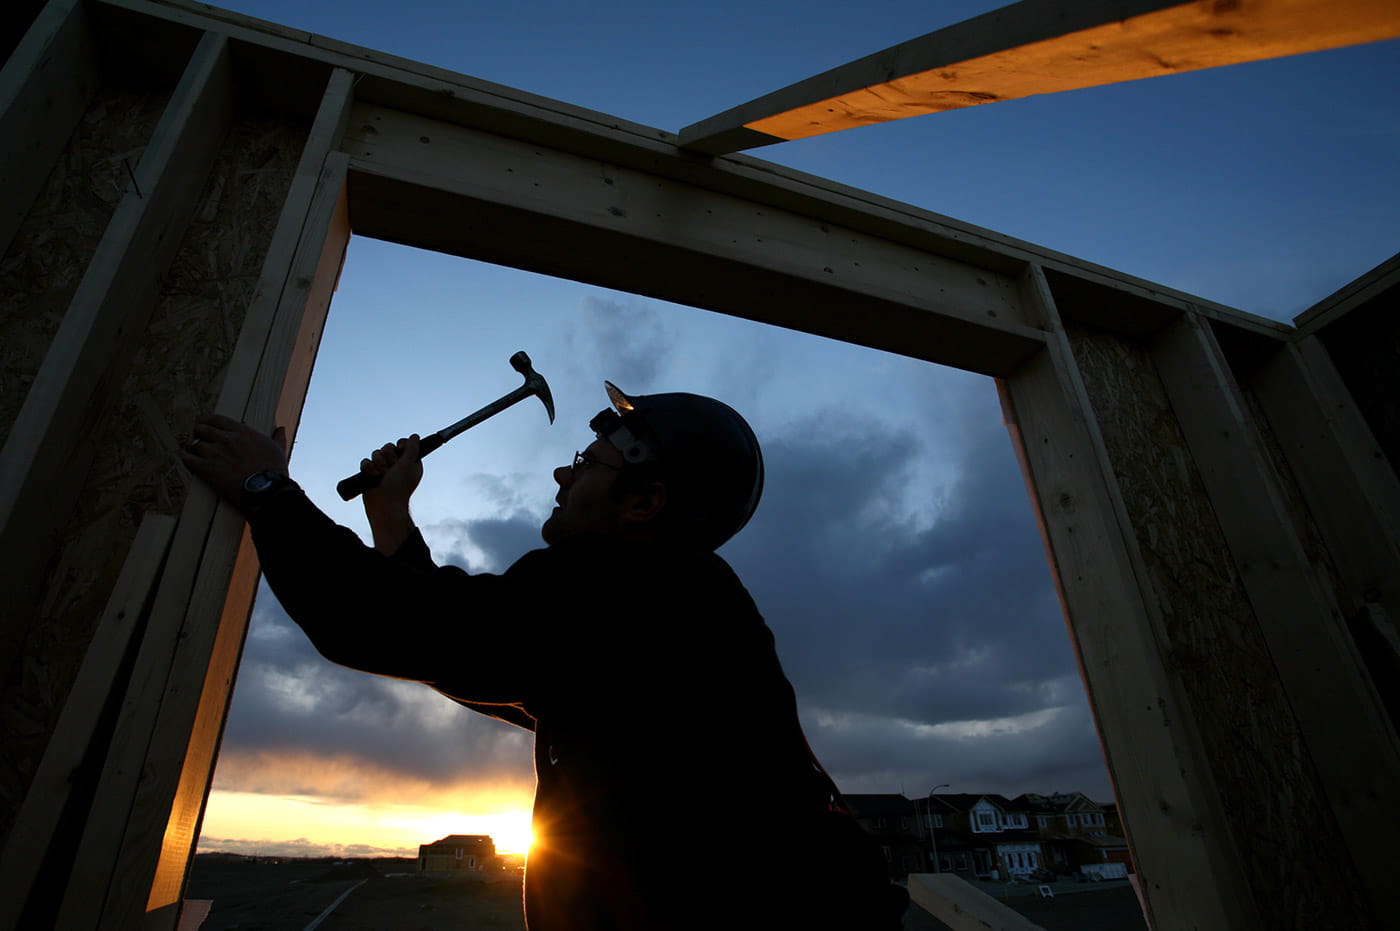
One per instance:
[(997, 831), (893, 822), (946, 835), (457, 853), (1078, 834), (994, 837)]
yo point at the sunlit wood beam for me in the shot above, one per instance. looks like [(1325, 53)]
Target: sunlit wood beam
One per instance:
[(1042, 47)]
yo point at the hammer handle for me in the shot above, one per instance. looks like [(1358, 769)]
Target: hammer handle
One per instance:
[(361, 482)]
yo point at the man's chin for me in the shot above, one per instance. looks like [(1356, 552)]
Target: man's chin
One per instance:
[(550, 530)]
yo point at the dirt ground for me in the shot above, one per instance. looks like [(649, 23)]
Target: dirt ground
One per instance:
[(1113, 908), (291, 894), (288, 895)]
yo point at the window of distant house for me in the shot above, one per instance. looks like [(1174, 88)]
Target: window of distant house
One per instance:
[(905, 823), (886, 851), (877, 822), (938, 821), (985, 819), (457, 853), (1041, 821)]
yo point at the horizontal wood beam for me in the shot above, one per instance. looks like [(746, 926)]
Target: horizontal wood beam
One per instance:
[(434, 185), (1042, 47), (1339, 304), (437, 94)]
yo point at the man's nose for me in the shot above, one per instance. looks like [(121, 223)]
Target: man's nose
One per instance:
[(564, 475)]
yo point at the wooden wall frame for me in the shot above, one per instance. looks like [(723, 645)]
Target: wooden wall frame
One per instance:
[(1199, 473)]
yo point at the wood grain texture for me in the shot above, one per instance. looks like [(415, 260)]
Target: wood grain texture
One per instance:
[(1279, 812), (1043, 47), (174, 376), (963, 907), (547, 211), (151, 789), (39, 276), (58, 780), (45, 454), (41, 270), (1181, 835), (1349, 743), (284, 374), (50, 445), (44, 89)]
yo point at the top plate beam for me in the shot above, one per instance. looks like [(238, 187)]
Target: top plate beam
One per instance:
[(1042, 47)]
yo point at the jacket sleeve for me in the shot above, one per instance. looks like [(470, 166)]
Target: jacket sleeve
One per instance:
[(414, 553), (476, 638)]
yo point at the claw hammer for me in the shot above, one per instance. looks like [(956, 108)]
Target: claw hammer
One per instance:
[(534, 385)]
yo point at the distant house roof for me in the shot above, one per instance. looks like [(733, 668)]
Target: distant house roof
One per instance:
[(1059, 802), (964, 802), (454, 841)]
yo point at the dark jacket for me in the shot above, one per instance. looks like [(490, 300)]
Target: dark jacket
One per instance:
[(674, 780)]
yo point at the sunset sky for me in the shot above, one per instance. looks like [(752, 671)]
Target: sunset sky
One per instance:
[(894, 553)]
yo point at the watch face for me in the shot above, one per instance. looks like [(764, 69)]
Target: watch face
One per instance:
[(259, 481)]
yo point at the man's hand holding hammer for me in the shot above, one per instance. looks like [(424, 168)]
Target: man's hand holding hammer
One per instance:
[(399, 469), (245, 467)]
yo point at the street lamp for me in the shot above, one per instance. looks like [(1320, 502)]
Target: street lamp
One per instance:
[(928, 817)]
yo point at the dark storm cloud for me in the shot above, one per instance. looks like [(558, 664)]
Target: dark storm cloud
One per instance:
[(925, 647), (631, 335), (889, 629), (873, 614)]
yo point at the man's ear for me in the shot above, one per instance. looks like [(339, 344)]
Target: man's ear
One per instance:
[(644, 503)]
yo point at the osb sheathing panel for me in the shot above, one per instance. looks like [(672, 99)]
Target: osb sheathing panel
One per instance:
[(52, 247), (1215, 649), (175, 376)]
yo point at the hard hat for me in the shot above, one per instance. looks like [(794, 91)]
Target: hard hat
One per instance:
[(700, 447)]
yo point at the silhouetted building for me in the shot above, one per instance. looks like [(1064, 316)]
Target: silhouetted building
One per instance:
[(1078, 835), (894, 824), (457, 853)]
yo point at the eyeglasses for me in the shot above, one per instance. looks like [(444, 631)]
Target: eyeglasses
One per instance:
[(584, 460)]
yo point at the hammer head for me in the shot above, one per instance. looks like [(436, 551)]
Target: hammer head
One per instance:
[(534, 381)]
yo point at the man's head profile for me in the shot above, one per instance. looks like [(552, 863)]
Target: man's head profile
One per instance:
[(676, 468)]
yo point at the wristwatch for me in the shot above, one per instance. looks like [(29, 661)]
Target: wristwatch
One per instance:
[(260, 486)]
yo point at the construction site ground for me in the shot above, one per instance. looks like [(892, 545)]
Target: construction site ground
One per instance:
[(291, 895)]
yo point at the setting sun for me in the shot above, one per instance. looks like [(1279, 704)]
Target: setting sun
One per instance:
[(509, 830)]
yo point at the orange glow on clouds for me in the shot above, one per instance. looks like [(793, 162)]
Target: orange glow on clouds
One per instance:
[(305, 806)]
